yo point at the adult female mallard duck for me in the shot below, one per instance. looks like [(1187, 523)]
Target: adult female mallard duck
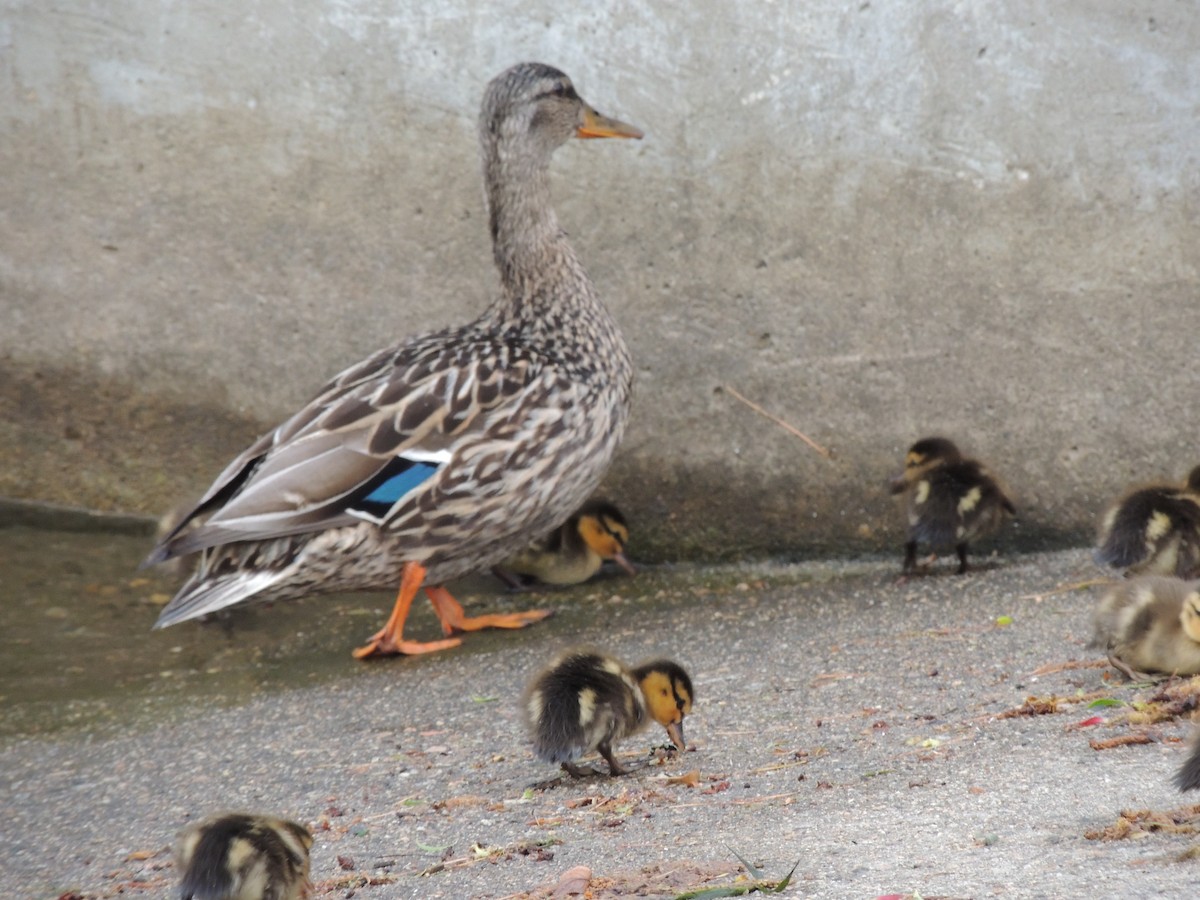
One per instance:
[(1151, 623), (452, 450), (950, 500), (1154, 529), (243, 856), (586, 701), (574, 551)]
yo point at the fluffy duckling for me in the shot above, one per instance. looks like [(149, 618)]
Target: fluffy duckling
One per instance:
[(242, 856), (1188, 776), (573, 552), (587, 701), (1151, 623), (1154, 530), (950, 500)]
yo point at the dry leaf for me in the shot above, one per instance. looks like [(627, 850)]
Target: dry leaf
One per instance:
[(573, 882), (1131, 823)]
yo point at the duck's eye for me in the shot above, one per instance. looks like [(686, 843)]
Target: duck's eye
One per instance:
[(562, 91)]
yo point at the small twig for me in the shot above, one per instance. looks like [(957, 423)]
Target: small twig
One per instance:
[(1068, 588), (1123, 740), (825, 452), (750, 801), (776, 767), (1051, 668)]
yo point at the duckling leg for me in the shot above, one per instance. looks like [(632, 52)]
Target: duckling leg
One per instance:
[(579, 771), (389, 640), (454, 618), (514, 582), (910, 557), (614, 768), (1123, 667), (961, 550)]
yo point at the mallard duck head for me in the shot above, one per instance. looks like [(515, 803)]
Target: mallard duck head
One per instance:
[(604, 530), (668, 692), (536, 104), (922, 456)]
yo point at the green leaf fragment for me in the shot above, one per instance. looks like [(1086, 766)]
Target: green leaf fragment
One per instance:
[(754, 873)]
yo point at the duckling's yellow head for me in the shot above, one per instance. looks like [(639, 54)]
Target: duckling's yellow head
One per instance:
[(1189, 616), (668, 692), (1193, 480), (922, 456), (604, 530)]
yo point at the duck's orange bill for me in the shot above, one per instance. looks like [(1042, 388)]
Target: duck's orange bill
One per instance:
[(597, 126)]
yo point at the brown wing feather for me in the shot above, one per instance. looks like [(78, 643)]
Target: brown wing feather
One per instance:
[(418, 397)]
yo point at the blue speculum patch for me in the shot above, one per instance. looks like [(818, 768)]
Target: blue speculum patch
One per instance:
[(396, 486)]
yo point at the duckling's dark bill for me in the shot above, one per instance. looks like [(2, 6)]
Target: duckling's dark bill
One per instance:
[(675, 733), (623, 561), (596, 125)]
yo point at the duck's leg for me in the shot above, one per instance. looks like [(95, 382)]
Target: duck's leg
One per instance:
[(514, 582), (579, 771), (1123, 667), (389, 640), (961, 550), (614, 768), (454, 618), (910, 557)]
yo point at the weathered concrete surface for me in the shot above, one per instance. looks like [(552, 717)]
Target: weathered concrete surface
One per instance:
[(976, 219)]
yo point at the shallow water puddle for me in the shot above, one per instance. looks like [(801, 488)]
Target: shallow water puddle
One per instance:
[(78, 648), (77, 645)]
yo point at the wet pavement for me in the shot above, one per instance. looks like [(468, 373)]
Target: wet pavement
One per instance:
[(846, 721)]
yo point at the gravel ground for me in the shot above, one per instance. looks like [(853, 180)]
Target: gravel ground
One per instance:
[(845, 722)]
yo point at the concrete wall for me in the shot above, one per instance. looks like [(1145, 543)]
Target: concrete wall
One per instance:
[(878, 220)]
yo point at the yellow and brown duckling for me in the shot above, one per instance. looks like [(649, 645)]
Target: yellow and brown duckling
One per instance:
[(1154, 530), (243, 856), (950, 500), (573, 552), (586, 700), (1151, 623), (1188, 776)]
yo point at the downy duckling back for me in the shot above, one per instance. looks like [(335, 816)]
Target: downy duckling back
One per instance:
[(1188, 776), (1151, 623), (242, 856), (575, 551), (586, 700), (1153, 530), (950, 500)]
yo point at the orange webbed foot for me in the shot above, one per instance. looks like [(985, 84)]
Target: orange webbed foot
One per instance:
[(454, 619), (382, 644), (390, 640)]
